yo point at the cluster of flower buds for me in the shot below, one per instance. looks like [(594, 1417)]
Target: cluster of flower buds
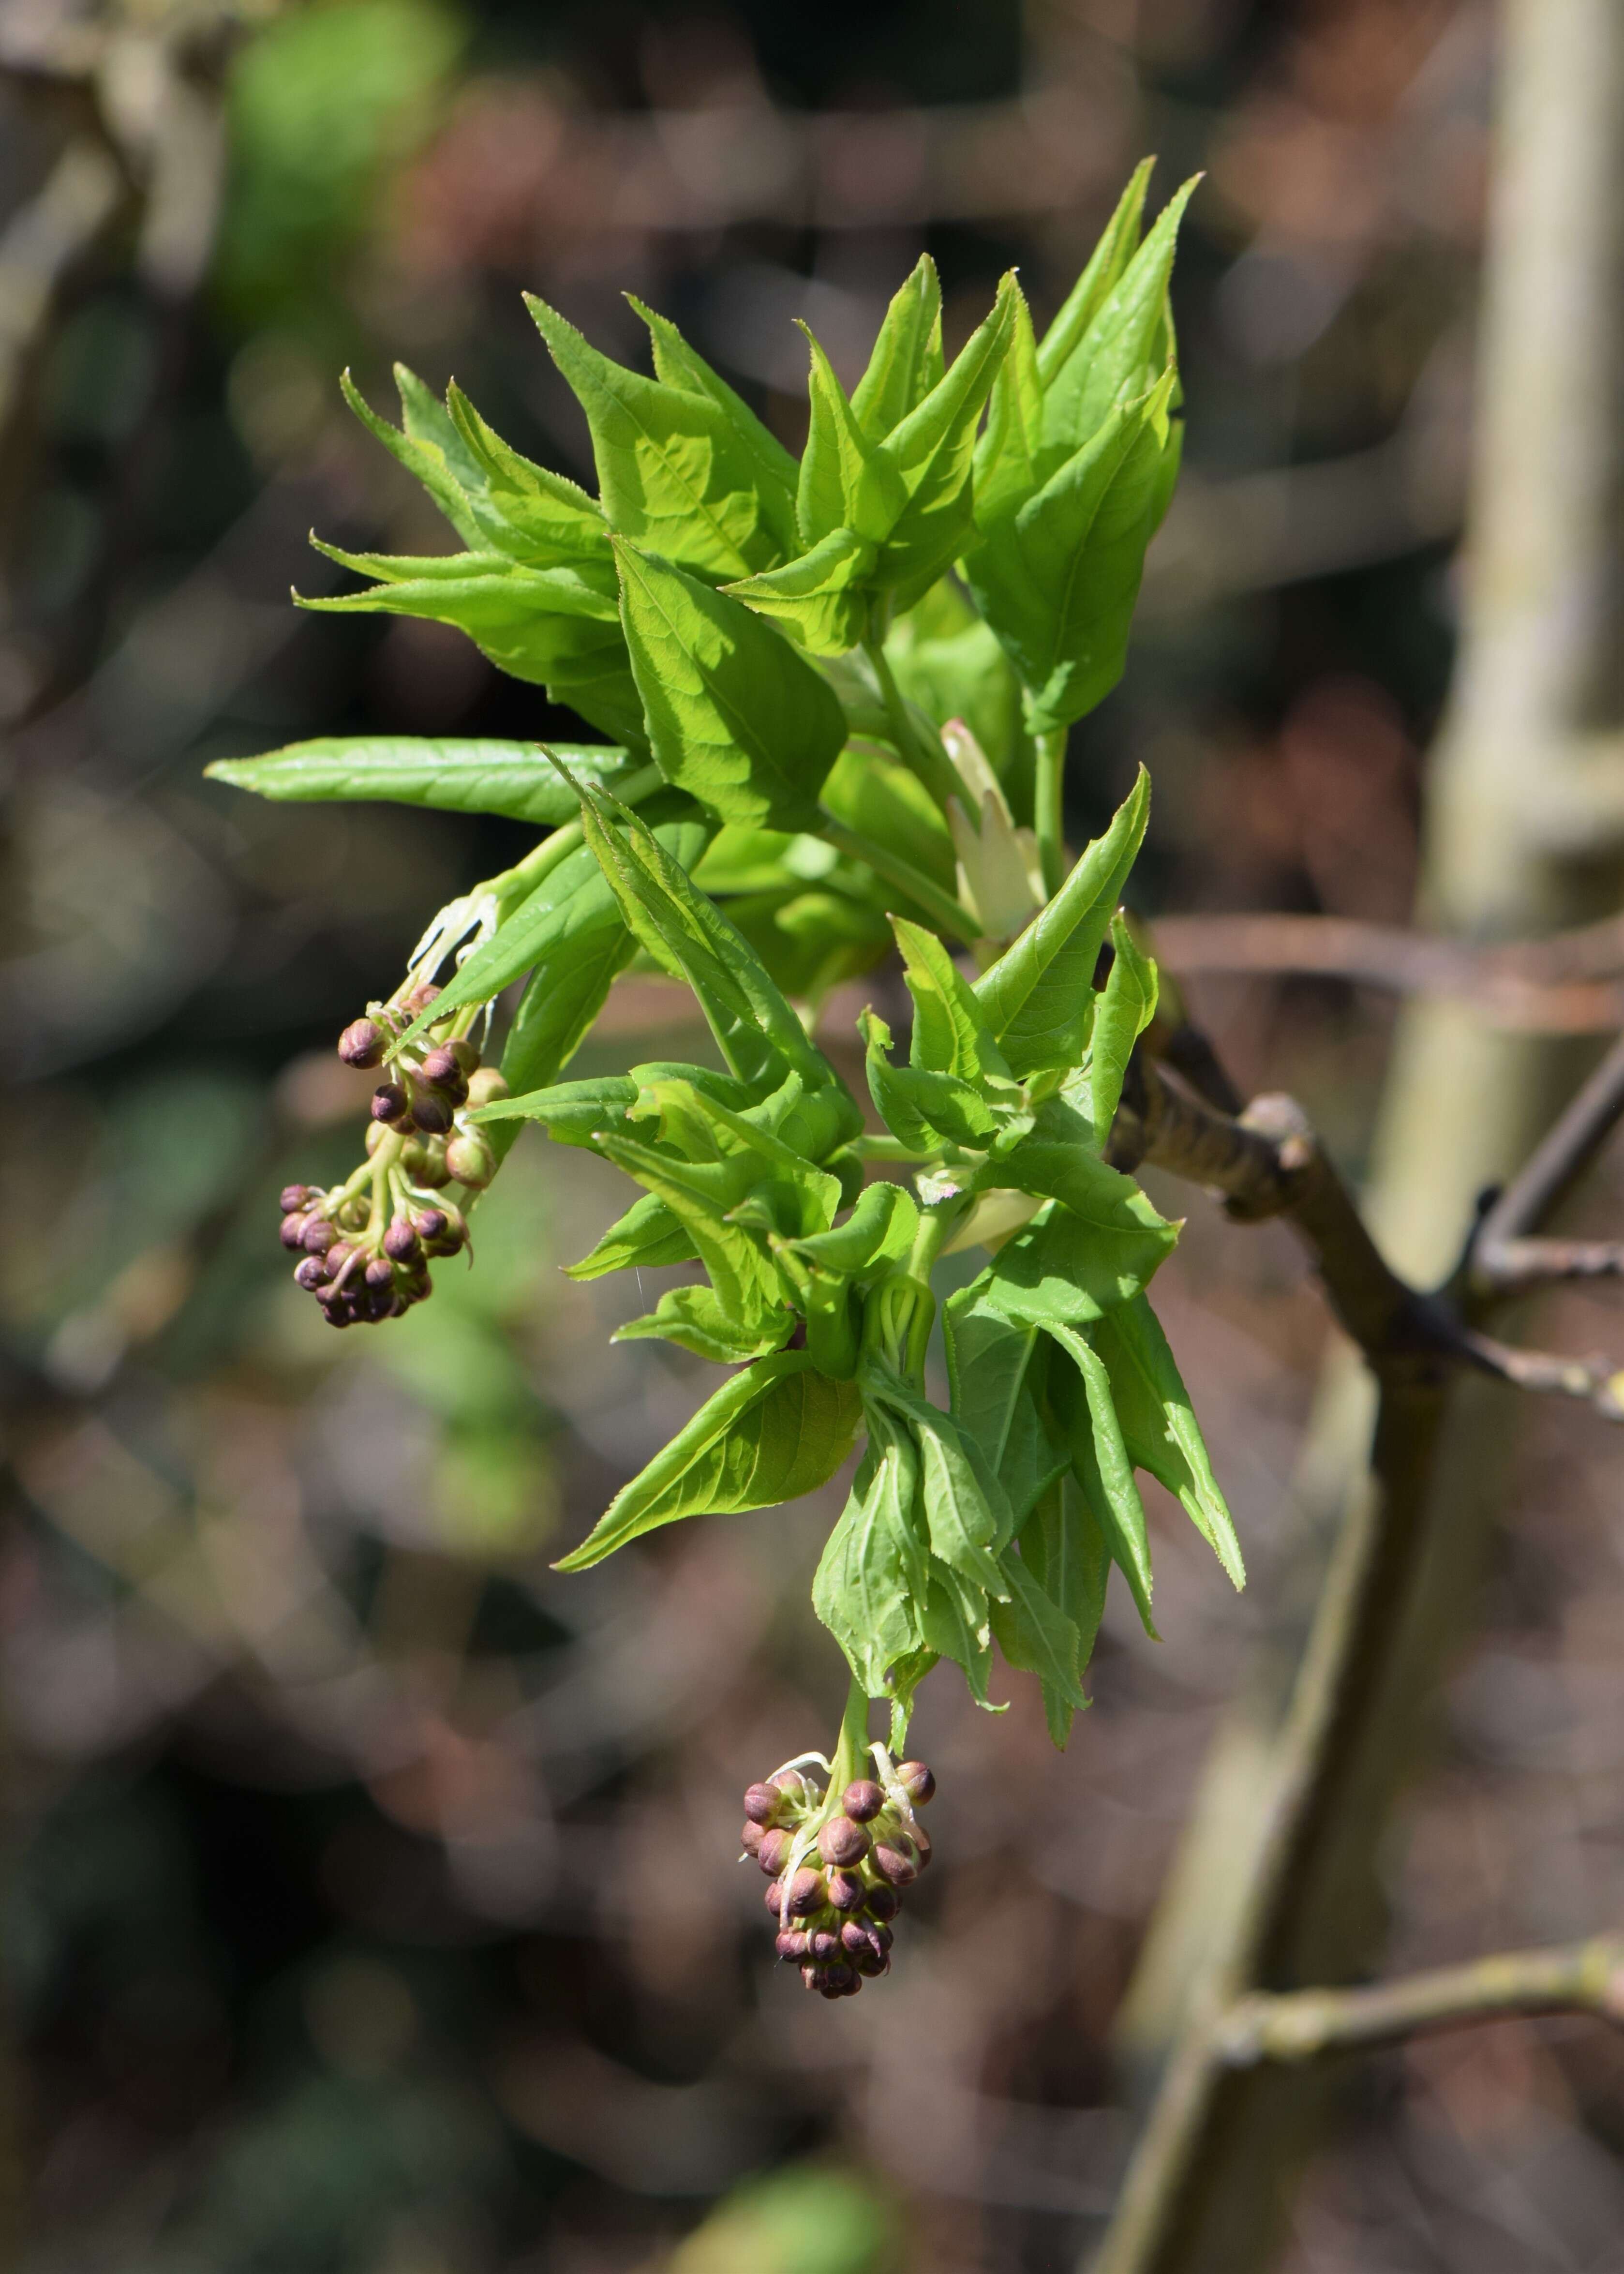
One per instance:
[(364, 1245), (839, 1867)]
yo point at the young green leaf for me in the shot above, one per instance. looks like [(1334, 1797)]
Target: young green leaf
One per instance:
[(562, 998), (951, 1629), (772, 1432), (538, 516), (821, 597), (967, 1515), (648, 1233), (989, 1367), (1066, 1550), (845, 482), (954, 665), (907, 359), (1035, 1633), (695, 1319), (1059, 579), (671, 468), (1159, 1423), (1124, 1010), (950, 1033), (879, 1229), (1038, 997), (1118, 243), (921, 1109), (1008, 456), (454, 775), (735, 717), (1070, 1267), (1112, 360), (571, 1112), (1105, 1473), (872, 1575), (420, 454), (679, 364)]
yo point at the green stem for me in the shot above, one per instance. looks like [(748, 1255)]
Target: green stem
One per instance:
[(940, 907), (923, 753), (888, 1148), (1049, 808), (851, 1754), (934, 1224)]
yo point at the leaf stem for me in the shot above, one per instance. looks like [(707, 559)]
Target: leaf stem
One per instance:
[(851, 1754), (940, 907), (1049, 808), (923, 753)]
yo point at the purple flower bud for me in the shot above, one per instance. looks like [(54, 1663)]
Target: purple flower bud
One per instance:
[(299, 1196), (917, 1782), (821, 1945), (312, 1273), (389, 1102), (293, 1232), (863, 1800), (775, 1897), (338, 1255), (401, 1241), (380, 1273), (870, 1964), (318, 1235), (750, 1838), (892, 1865), (857, 1937), (842, 1842), (806, 1891), (846, 1891), (762, 1804), (430, 1112), (362, 1044), (442, 1068), (337, 1315), (471, 1160), (922, 1842), (773, 1853), (881, 1936), (421, 996), (884, 1902), (838, 1975), (429, 1223), (791, 1946), (789, 1782)]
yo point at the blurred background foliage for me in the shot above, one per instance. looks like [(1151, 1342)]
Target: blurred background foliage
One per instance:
[(371, 1893)]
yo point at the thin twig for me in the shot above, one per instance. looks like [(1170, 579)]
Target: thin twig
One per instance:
[(1581, 1977), (1550, 1172)]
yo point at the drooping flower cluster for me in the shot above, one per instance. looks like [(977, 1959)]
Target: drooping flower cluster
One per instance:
[(364, 1245), (838, 1866)]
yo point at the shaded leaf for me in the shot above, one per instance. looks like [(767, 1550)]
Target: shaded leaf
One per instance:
[(1104, 1471), (1159, 1428), (872, 1574), (1124, 1011)]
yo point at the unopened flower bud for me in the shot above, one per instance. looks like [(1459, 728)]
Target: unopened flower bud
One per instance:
[(884, 1902), (881, 1936), (421, 996), (762, 1804), (312, 1273), (846, 1891), (293, 1232), (812, 1977), (424, 1160), (388, 1102), (842, 1842), (807, 1892), (443, 1067), (792, 1783), (863, 1800), (471, 1160), (318, 1235), (486, 1085), (792, 1945), (430, 1112), (298, 1196), (750, 1838), (857, 1937), (922, 1842), (338, 1255), (773, 1853), (362, 1044), (430, 1224), (917, 1782), (401, 1241), (380, 1273), (893, 1866), (872, 1963), (774, 1897), (821, 1945), (838, 1978)]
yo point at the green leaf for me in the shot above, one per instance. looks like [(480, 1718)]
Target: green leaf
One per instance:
[(1124, 1010), (932, 452), (954, 665), (967, 1515), (871, 1578), (1008, 456), (648, 1233), (811, 941), (679, 364), (571, 1112), (743, 1277), (989, 1367), (1104, 1470), (673, 470), (1038, 997), (562, 997), (879, 798), (1035, 1633), (696, 1319), (949, 1630), (538, 516), (421, 454), (1067, 1551), (845, 483), (821, 598), (951, 1034), (454, 775), (879, 1229), (921, 1109), (772, 1433), (1159, 1423), (1118, 243), (758, 1033), (1067, 1267), (735, 716), (1059, 580), (907, 359), (1113, 358), (569, 901)]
